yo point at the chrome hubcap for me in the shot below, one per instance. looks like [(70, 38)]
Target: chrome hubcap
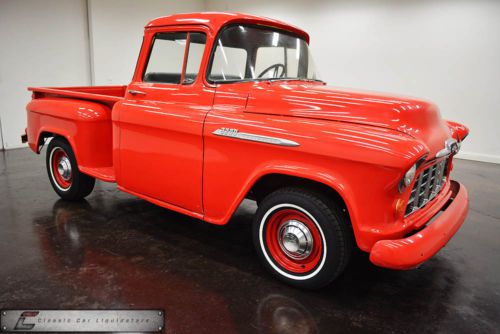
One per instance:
[(64, 168), (295, 239)]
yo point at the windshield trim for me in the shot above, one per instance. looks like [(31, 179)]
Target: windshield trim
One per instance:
[(265, 79), (251, 25)]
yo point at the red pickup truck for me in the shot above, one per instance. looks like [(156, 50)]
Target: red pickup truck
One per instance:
[(226, 106)]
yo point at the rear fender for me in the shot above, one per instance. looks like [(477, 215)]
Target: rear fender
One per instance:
[(85, 125)]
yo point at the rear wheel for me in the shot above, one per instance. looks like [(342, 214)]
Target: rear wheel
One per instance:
[(66, 179), (302, 237)]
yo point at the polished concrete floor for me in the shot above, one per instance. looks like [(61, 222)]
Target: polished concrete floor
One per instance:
[(117, 251)]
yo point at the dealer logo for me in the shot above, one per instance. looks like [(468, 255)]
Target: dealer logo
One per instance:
[(80, 321), (20, 325)]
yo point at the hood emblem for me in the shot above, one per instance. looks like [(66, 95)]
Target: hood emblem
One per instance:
[(451, 146)]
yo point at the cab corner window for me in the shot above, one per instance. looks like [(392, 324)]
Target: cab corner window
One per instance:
[(166, 60)]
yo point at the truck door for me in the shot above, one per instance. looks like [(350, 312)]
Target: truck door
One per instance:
[(161, 121)]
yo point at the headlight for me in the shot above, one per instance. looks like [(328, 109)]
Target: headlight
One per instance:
[(410, 174)]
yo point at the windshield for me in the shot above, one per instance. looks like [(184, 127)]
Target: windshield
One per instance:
[(245, 53)]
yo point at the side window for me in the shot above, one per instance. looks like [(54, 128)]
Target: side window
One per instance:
[(166, 58), (196, 46)]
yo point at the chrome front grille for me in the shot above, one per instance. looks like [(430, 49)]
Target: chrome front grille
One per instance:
[(427, 185)]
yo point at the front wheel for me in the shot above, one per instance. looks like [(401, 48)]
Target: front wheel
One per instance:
[(66, 179), (302, 237)]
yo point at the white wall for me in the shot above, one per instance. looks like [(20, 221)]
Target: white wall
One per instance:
[(43, 43), (1, 136), (117, 27), (46, 43), (444, 51)]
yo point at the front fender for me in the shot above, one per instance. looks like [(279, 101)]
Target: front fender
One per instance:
[(459, 131), (368, 188), (363, 164), (368, 191)]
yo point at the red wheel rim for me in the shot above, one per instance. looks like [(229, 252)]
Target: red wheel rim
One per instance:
[(61, 168), (276, 232)]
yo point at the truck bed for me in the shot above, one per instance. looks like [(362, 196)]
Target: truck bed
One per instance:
[(107, 94), (82, 115)]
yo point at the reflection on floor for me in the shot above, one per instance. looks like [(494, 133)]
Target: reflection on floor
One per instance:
[(116, 251)]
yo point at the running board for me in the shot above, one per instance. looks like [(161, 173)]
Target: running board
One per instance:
[(102, 173)]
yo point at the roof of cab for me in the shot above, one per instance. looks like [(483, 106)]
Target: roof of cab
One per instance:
[(216, 20)]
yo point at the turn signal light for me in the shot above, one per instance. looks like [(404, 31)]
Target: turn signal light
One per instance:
[(400, 208)]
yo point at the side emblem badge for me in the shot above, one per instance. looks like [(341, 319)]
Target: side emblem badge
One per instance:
[(235, 133)]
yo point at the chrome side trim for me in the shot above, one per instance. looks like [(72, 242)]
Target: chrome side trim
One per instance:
[(235, 133)]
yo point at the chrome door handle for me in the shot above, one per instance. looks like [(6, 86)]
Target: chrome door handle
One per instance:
[(136, 92)]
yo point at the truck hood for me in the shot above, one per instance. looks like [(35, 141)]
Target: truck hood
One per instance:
[(417, 118)]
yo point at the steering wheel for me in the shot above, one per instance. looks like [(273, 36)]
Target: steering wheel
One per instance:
[(276, 68)]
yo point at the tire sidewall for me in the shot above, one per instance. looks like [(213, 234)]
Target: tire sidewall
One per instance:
[(63, 145), (331, 260)]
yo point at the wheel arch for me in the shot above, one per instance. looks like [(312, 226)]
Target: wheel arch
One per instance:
[(42, 138), (268, 180), (271, 182), (46, 133)]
